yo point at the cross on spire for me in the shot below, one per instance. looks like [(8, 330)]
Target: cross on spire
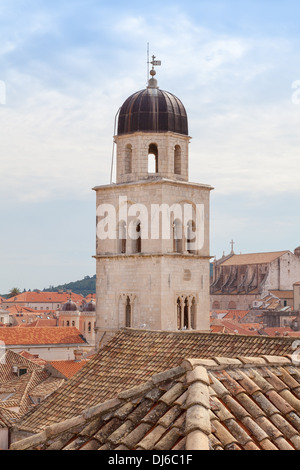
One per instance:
[(232, 243)]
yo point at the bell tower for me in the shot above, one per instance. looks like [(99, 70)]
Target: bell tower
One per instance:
[(153, 260)]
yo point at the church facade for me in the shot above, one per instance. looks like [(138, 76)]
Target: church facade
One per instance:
[(152, 251), (240, 280)]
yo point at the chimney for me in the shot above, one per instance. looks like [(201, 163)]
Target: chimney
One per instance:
[(78, 354)]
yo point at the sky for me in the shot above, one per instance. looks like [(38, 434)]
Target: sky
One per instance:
[(65, 69)]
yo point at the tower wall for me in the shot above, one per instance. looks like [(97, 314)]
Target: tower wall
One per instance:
[(140, 142)]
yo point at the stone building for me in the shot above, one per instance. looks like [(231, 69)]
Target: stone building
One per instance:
[(296, 290), (82, 317), (239, 280), (152, 253)]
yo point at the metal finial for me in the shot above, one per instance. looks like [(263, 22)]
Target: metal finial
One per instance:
[(152, 82)]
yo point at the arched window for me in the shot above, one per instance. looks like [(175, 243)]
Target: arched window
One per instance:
[(73, 323), (232, 305), (128, 159), (89, 327), (177, 236), (122, 237), (216, 305), (178, 314), (193, 314), (186, 312), (177, 160), (186, 319), (128, 313), (153, 158)]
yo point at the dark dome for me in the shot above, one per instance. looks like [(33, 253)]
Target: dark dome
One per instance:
[(152, 110), (90, 307), (297, 251), (69, 306)]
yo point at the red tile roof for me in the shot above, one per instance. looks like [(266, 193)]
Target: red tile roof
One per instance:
[(47, 335), (131, 356), (253, 258), (219, 403), (68, 368), (235, 314), (45, 297)]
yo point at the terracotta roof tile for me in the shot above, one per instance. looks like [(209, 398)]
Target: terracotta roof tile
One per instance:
[(133, 356), (229, 420), (47, 335), (253, 258)]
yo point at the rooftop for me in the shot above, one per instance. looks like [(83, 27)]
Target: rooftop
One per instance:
[(253, 258), (220, 403), (40, 335), (131, 357)]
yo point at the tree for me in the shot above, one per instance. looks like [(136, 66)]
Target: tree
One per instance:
[(14, 292)]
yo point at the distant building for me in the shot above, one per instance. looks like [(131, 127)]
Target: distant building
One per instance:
[(296, 293), (82, 317), (239, 280), (50, 343), (42, 301)]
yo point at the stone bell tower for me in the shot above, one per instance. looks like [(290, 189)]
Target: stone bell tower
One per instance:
[(153, 260)]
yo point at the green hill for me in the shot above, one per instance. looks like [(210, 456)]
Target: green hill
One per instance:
[(84, 286)]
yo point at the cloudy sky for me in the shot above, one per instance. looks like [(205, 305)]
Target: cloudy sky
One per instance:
[(66, 66)]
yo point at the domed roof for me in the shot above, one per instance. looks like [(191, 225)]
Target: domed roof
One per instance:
[(297, 251), (69, 306), (91, 306), (152, 110)]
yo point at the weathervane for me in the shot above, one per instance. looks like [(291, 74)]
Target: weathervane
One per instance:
[(154, 63)]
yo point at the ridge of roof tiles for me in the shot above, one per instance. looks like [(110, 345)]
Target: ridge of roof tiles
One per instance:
[(219, 403), (131, 356)]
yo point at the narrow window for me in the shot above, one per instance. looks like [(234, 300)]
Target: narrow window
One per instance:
[(153, 159), (193, 314), (128, 159), (122, 237), (177, 160), (191, 235), (128, 313), (186, 315), (177, 236), (137, 240), (178, 314)]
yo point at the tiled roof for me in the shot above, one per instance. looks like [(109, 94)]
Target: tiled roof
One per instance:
[(8, 359), (40, 323), (43, 335), (131, 356), (236, 314), (33, 358), (253, 258), (220, 403), (45, 297), (47, 387), (18, 391), (283, 294), (68, 368), (232, 327)]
